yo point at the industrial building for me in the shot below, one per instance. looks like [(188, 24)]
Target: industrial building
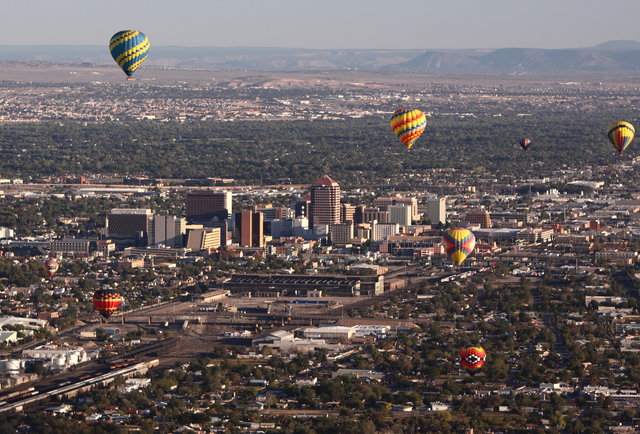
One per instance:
[(334, 332), (57, 358), (266, 285), (82, 247)]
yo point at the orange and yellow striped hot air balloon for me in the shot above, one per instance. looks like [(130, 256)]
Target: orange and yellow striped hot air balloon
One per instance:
[(458, 243), (408, 125)]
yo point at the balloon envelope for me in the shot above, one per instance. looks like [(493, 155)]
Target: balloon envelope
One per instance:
[(106, 301), (408, 125), (525, 143), (52, 267), (458, 243), (472, 358), (129, 48), (621, 135)]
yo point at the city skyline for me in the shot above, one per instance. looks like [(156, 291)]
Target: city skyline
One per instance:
[(238, 241)]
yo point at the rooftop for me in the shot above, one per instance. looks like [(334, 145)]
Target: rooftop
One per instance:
[(326, 180)]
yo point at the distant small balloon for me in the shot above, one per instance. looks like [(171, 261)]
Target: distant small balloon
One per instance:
[(621, 135), (408, 125), (525, 143), (52, 266)]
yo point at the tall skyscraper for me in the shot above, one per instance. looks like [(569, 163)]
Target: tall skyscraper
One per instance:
[(400, 214), (249, 229), (358, 214), (202, 206), (167, 230), (129, 227), (325, 201), (437, 210)]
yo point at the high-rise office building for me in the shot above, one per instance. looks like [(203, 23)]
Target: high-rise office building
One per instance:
[(385, 202), (302, 206), (347, 212), (358, 214), (342, 233), (325, 201), (480, 218), (371, 214), (128, 227), (203, 206), (362, 231), (167, 230), (273, 213), (249, 229), (381, 231), (401, 214), (437, 210)]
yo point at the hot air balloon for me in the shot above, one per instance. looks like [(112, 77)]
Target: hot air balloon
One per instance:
[(408, 125), (525, 143), (129, 48), (472, 358), (621, 135), (458, 243), (52, 267), (106, 301)]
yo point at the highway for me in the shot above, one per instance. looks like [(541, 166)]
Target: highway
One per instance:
[(46, 391)]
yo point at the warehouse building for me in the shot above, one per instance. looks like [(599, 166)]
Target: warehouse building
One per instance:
[(265, 285)]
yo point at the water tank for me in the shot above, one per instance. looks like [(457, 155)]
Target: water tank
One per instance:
[(10, 365)]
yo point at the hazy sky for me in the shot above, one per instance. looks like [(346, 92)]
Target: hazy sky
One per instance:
[(417, 24)]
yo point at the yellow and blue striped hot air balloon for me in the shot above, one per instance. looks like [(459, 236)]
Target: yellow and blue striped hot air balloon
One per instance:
[(408, 125), (129, 48), (621, 135), (458, 243)]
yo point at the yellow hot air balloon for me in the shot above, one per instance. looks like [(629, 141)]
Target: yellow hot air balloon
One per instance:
[(621, 135), (458, 243), (408, 125)]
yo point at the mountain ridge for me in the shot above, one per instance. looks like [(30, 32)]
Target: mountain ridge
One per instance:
[(610, 57)]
